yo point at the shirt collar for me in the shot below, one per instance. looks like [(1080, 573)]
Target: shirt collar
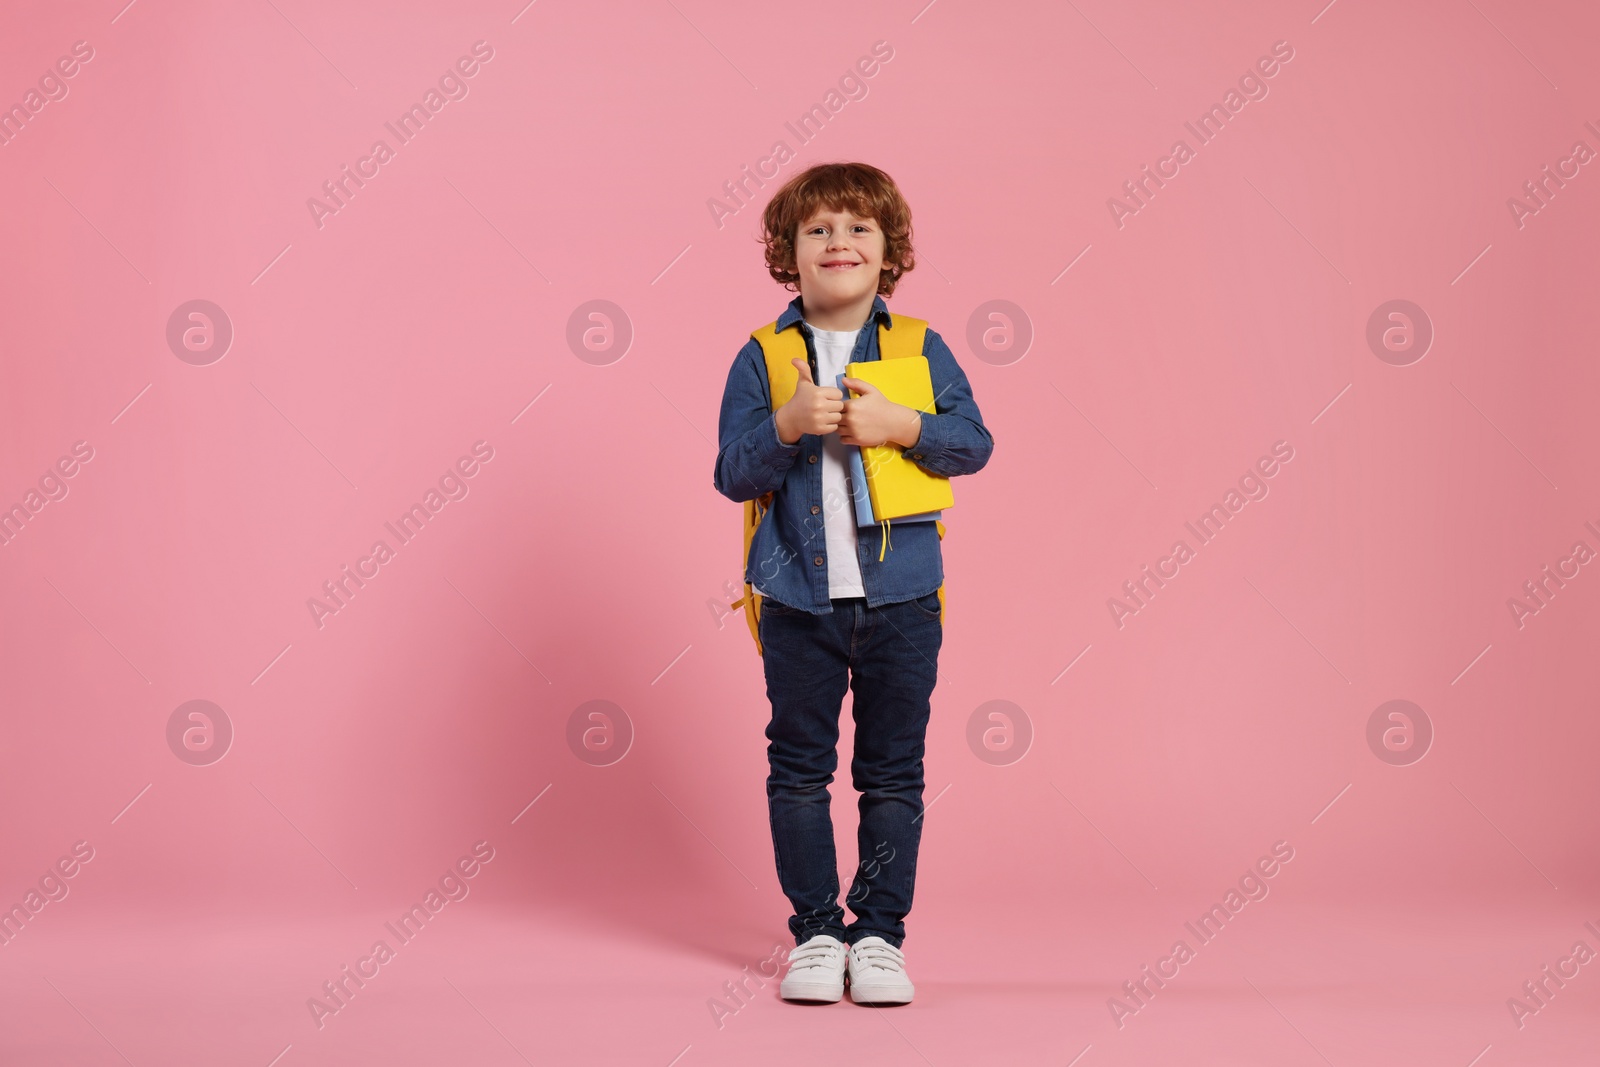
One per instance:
[(795, 312)]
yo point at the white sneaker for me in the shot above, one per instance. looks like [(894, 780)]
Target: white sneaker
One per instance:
[(878, 973), (816, 970)]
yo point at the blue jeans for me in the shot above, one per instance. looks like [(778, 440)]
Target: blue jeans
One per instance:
[(888, 656)]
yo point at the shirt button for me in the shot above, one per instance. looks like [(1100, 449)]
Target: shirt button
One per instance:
[(815, 509), (817, 560), (813, 459), (916, 455)]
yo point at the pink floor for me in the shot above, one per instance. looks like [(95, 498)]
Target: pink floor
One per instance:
[(1388, 983)]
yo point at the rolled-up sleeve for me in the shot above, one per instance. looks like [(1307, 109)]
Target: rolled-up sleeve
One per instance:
[(751, 458), (954, 439)]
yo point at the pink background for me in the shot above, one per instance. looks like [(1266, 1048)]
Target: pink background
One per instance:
[(590, 555)]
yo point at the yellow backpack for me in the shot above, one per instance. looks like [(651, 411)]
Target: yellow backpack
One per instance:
[(904, 338)]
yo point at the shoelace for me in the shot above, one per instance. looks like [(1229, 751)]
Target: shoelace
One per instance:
[(808, 956), (883, 957)]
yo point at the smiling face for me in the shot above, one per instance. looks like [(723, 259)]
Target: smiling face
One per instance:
[(838, 257)]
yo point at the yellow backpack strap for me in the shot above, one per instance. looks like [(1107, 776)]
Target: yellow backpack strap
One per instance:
[(904, 339), (751, 601), (777, 350)]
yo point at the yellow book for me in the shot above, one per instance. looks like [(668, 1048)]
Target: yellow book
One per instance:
[(896, 485)]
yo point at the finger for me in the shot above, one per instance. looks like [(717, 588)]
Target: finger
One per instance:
[(833, 394), (861, 385)]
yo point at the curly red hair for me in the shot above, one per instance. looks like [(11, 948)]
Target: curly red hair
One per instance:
[(855, 187)]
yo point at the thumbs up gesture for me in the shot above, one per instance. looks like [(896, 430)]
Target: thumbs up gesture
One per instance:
[(813, 408), (872, 419)]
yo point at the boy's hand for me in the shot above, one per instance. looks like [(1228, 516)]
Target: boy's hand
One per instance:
[(812, 409), (872, 419)]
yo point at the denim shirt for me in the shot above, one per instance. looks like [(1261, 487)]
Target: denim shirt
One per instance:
[(788, 555)]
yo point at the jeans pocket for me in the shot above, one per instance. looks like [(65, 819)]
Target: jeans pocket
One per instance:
[(777, 607), (928, 605)]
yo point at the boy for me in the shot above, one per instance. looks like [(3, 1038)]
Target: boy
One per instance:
[(834, 612)]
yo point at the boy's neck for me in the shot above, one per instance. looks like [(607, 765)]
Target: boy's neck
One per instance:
[(844, 317)]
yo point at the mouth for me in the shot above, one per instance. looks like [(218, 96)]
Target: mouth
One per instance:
[(840, 266)]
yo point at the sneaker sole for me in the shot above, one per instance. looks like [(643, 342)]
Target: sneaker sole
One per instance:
[(878, 999), (814, 994)]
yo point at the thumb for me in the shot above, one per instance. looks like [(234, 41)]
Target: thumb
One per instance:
[(805, 370), (865, 388)]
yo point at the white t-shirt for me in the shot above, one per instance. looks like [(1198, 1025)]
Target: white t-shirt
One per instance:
[(839, 517)]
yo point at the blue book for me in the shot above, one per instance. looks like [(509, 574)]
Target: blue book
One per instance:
[(858, 484)]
